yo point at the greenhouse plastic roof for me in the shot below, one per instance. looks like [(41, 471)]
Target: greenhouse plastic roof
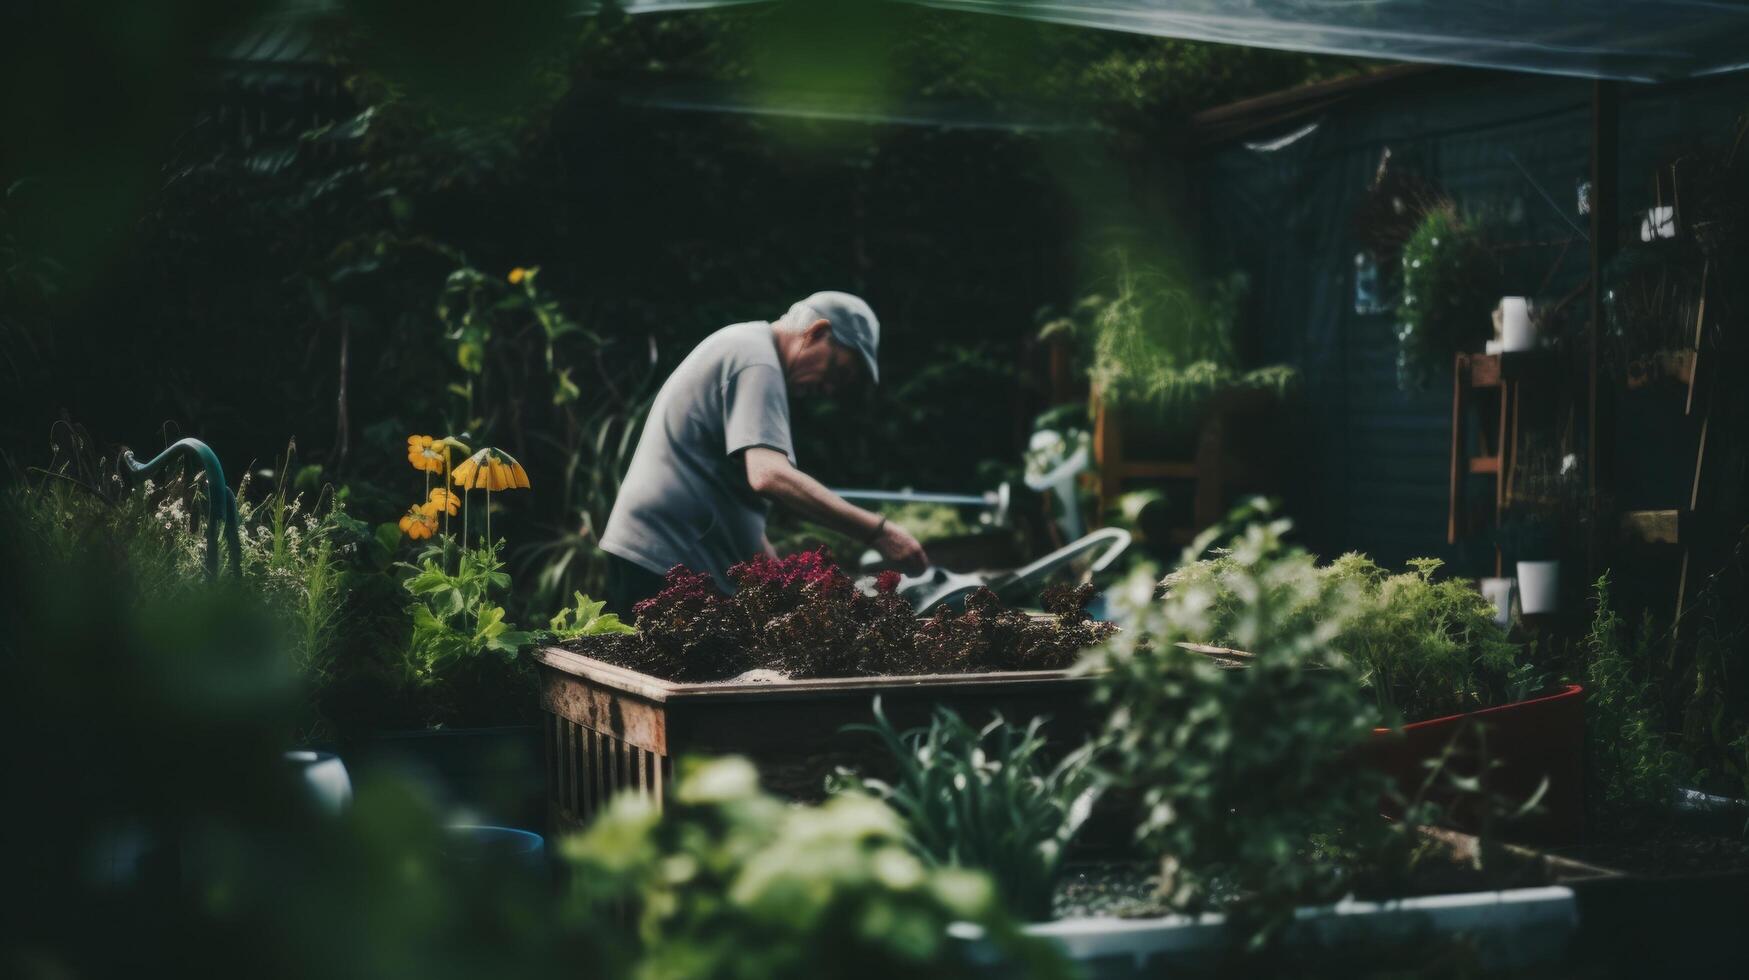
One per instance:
[(1636, 40)]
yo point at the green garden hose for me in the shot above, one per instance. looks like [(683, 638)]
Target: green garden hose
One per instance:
[(221, 502)]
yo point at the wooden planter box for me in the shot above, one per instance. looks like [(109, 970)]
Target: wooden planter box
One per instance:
[(610, 730)]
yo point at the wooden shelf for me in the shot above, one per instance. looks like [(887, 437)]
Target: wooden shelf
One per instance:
[(1674, 525), (1668, 365), (1653, 526), (1489, 370)]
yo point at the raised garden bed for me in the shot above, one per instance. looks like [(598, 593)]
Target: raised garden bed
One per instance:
[(1526, 741), (775, 671), (609, 729)]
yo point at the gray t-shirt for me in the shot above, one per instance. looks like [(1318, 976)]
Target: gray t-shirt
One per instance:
[(685, 500)]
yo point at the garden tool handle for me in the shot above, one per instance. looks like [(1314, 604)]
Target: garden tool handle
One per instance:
[(221, 502)]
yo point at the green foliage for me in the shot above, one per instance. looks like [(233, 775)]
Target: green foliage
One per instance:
[(152, 726), (1634, 773), (327, 218), (1246, 776), (295, 555), (727, 882), (455, 617), (983, 798), (585, 618), (1167, 345), (1450, 285), (1422, 647)]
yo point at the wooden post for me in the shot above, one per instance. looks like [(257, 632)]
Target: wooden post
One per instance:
[(1605, 152), (1107, 453), (1460, 367)]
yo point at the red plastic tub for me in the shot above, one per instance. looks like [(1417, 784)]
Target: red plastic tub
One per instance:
[(1524, 741)]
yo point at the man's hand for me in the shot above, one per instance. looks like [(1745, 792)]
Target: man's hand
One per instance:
[(897, 545), (770, 475)]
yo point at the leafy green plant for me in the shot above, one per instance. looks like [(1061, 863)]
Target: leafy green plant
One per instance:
[(297, 553), (1246, 776), (726, 881), (1634, 772), (1165, 345), (1423, 647), (455, 617), (983, 798), (1450, 285), (585, 618)]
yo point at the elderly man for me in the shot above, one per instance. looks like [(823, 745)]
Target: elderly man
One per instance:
[(716, 450)]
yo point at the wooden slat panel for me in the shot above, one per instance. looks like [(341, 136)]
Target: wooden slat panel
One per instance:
[(601, 706), (574, 773), (562, 753), (621, 779), (549, 754), (598, 771), (585, 770), (609, 771)]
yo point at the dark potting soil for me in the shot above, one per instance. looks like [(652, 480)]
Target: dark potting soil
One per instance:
[(1109, 889), (827, 629), (1130, 889)]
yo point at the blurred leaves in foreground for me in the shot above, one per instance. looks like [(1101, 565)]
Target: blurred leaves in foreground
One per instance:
[(155, 827)]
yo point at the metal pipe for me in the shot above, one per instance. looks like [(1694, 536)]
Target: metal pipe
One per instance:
[(910, 497)]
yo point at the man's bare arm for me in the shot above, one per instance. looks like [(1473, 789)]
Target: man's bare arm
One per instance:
[(771, 475)]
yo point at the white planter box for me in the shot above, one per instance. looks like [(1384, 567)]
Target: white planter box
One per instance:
[(1509, 930)]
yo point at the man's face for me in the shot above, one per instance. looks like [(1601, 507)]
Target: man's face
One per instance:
[(824, 365)]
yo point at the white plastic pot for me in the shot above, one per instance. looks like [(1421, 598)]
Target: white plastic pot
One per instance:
[(1539, 586), (1517, 333), (1499, 592), (324, 779)]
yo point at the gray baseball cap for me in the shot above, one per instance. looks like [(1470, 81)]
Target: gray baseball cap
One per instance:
[(853, 323)]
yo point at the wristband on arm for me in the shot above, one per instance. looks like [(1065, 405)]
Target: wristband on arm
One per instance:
[(882, 526)]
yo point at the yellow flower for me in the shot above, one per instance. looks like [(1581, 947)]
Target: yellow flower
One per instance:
[(442, 500), (426, 453), (517, 275), (490, 469), (419, 522)]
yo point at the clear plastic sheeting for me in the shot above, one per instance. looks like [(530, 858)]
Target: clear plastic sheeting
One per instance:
[(1635, 40)]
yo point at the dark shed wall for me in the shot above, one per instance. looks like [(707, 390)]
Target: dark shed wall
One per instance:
[(1372, 461)]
